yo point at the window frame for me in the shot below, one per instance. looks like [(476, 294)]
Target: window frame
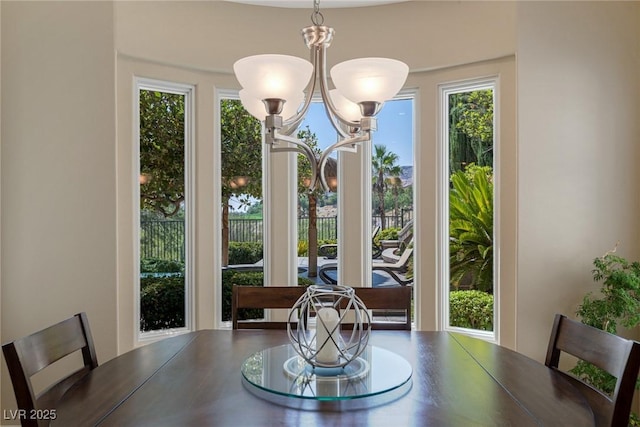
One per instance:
[(188, 91), (444, 90)]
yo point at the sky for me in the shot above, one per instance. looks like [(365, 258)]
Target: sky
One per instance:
[(395, 128)]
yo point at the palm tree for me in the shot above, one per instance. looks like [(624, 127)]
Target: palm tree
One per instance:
[(383, 165)]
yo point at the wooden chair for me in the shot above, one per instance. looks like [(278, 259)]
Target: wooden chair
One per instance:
[(616, 355), (262, 297), (31, 354), (392, 299)]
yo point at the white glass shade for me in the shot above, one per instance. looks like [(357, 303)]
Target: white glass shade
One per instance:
[(348, 110), (273, 76), (369, 79), (256, 108)]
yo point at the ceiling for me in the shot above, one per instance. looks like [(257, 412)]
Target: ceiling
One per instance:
[(324, 4)]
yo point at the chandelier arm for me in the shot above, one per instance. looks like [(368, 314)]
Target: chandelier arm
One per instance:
[(292, 124), (332, 112), (366, 136), (300, 147)]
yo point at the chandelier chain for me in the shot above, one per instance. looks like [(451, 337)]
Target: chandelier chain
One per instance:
[(316, 17)]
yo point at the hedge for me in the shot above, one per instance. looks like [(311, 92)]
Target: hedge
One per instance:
[(161, 303), (245, 252), (471, 309)]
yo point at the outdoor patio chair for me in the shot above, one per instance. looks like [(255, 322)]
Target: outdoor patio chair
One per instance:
[(330, 250), (29, 355), (618, 356), (392, 248), (394, 270)]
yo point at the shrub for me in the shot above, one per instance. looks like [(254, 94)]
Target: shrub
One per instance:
[(245, 252), (157, 265), (471, 309), (303, 245), (303, 248), (161, 303), (390, 233)]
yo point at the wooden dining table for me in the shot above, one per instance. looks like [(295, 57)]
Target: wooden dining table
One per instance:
[(195, 379)]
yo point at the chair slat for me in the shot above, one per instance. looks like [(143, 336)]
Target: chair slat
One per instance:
[(28, 355), (616, 355)]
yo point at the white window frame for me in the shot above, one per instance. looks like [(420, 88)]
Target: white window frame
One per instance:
[(188, 91), (444, 90)]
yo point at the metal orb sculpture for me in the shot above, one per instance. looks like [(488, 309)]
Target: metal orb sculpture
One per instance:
[(332, 326)]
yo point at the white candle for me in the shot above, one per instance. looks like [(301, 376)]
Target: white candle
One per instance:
[(327, 321)]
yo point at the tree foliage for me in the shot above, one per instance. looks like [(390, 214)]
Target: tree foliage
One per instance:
[(241, 161), (241, 152), (471, 129), (162, 152)]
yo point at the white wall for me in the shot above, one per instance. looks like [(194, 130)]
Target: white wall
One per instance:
[(579, 147), (58, 170)]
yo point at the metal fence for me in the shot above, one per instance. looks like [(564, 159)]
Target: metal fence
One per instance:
[(165, 239), (162, 240)]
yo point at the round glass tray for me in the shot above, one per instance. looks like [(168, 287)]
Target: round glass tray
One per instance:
[(280, 375)]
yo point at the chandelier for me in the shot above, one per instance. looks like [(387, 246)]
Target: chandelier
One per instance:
[(278, 90)]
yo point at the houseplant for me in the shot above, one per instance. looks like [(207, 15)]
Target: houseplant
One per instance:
[(617, 304)]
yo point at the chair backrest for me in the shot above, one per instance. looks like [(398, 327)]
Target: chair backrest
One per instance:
[(388, 302), (404, 258), (29, 355), (394, 300), (262, 297), (618, 356), (406, 234)]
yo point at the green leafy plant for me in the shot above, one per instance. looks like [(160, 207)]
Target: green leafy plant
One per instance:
[(471, 228), (390, 233), (618, 303), (471, 309), (161, 303), (245, 252)]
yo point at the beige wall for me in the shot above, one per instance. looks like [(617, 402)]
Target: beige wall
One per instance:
[(58, 164), (213, 35), (577, 142), (579, 146)]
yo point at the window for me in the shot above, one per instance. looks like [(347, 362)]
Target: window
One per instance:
[(468, 240), (165, 141), (241, 200), (392, 190)]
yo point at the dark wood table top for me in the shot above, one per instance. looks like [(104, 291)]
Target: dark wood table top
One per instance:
[(195, 380)]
